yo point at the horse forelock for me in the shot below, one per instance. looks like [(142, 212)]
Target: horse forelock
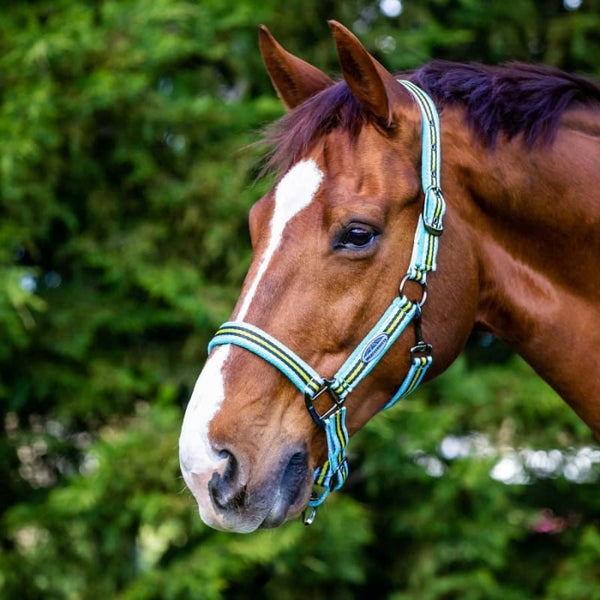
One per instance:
[(293, 135)]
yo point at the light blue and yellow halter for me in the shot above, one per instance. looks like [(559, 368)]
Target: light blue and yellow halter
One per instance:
[(402, 311)]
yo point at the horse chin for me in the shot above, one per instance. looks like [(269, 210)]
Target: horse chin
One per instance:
[(288, 503), (278, 514), (262, 514), (292, 491)]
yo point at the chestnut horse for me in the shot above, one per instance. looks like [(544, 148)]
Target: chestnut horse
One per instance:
[(323, 321)]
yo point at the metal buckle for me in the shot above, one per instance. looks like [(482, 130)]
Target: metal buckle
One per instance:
[(421, 348), (434, 228), (309, 401)]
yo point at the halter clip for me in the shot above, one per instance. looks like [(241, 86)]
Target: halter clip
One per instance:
[(421, 347), (309, 514)]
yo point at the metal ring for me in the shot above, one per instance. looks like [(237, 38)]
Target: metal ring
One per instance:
[(423, 288)]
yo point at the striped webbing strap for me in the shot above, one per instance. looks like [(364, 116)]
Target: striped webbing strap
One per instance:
[(402, 311), (429, 227)]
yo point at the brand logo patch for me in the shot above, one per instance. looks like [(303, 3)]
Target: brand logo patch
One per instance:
[(375, 347)]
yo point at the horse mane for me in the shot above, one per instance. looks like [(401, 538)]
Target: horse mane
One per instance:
[(513, 98)]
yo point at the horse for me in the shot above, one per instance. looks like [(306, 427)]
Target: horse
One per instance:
[(352, 289)]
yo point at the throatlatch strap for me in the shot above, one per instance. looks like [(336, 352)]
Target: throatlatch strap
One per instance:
[(418, 368)]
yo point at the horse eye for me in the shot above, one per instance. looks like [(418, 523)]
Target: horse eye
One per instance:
[(357, 237)]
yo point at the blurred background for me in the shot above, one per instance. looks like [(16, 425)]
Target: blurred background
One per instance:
[(126, 175)]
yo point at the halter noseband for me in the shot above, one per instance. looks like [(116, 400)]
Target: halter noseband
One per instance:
[(402, 311)]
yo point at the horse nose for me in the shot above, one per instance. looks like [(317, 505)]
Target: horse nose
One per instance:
[(226, 490)]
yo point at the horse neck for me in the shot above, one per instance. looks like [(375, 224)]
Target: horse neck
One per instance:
[(533, 216)]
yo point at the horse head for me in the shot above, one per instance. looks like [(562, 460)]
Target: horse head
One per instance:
[(332, 242)]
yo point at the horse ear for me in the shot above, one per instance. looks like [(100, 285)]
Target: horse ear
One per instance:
[(370, 82), (294, 79)]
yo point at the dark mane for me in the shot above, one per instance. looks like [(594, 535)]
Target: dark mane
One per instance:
[(511, 99)]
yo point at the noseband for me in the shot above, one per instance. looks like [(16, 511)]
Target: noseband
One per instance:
[(402, 311)]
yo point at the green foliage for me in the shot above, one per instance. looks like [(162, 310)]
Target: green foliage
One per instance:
[(126, 173)]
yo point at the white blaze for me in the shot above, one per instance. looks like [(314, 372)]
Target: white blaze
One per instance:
[(294, 192)]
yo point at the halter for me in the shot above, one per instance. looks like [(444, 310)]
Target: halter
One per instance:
[(402, 311)]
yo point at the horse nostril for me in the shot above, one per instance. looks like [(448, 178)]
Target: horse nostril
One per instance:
[(230, 472), (224, 488)]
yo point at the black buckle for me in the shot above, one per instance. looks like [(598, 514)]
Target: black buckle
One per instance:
[(421, 347), (309, 400)]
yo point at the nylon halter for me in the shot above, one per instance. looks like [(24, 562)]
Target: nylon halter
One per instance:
[(401, 312)]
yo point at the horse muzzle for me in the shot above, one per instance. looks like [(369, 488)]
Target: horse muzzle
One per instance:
[(233, 498)]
